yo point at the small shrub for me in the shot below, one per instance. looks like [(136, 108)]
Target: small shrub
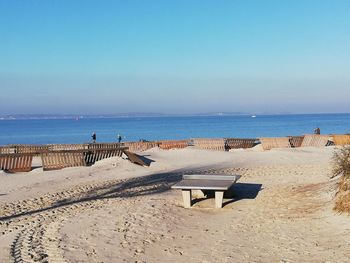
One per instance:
[(341, 165), (341, 161)]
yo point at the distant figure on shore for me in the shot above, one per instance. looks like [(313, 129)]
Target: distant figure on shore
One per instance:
[(119, 138), (93, 136), (317, 131)]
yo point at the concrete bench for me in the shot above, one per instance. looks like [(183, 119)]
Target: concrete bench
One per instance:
[(217, 183)]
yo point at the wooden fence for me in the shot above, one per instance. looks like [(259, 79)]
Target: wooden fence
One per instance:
[(316, 140), (134, 158), (58, 160), (341, 139), (173, 144), (67, 147), (7, 150), (34, 149), (69, 158), (93, 156), (104, 146), (140, 146), (278, 142), (296, 141), (16, 162), (24, 148), (210, 144), (236, 143)]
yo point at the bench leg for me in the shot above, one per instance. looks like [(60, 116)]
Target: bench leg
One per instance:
[(219, 197), (187, 197)]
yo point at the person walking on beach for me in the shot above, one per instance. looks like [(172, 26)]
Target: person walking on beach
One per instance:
[(317, 130), (93, 136), (119, 138)]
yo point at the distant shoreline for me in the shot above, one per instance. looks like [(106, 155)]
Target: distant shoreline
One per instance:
[(149, 115)]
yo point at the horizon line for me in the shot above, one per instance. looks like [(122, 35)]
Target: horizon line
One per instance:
[(146, 114)]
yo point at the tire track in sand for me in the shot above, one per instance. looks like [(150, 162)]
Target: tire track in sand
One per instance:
[(38, 220)]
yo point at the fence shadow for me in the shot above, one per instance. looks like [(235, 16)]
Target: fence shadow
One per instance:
[(146, 160), (140, 186)]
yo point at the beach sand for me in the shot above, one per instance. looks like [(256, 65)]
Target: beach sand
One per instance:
[(115, 211)]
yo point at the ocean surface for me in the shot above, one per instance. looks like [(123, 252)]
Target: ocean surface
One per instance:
[(157, 128)]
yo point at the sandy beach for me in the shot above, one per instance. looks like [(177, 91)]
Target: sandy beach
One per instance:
[(115, 211)]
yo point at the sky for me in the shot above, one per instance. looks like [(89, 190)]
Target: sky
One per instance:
[(183, 56)]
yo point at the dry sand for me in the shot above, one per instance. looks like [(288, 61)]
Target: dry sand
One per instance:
[(115, 211)]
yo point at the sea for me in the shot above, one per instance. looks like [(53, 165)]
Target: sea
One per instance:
[(79, 130)]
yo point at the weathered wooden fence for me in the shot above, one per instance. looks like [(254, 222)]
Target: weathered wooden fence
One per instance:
[(14, 158), (341, 139), (104, 146), (58, 160), (34, 149), (316, 140), (93, 156), (135, 158), (16, 162), (210, 144), (277, 142), (173, 144), (140, 146), (7, 150), (67, 147), (296, 141), (237, 143)]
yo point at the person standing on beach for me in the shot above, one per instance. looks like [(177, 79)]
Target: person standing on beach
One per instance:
[(93, 136), (119, 138), (317, 130)]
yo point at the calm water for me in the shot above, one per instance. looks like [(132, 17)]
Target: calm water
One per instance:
[(156, 128)]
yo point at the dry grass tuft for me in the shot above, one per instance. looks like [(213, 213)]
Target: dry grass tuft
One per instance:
[(341, 166), (341, 161)]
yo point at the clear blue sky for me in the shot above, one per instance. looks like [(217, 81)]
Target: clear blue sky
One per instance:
[(71, 56)]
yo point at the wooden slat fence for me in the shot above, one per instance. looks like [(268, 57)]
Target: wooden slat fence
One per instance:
[(67, 147), (59, 160), (277, 142), (296, 141), (96, 155), (140, 146), (341, 139), (210, 144), (16, 162), (96, 146), (237, 143), (7, 150), (173, 144), (35, 149), (316, 140), (134, 158)]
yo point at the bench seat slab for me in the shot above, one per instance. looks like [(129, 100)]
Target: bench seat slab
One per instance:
[(203, 184)]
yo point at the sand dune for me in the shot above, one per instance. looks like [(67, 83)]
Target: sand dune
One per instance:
[(115, 211)]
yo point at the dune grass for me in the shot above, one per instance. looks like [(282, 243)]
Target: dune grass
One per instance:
[(341, 166)]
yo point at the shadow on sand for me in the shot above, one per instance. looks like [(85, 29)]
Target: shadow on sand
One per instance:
[(140, 186), (238, 191), (146, 160)]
